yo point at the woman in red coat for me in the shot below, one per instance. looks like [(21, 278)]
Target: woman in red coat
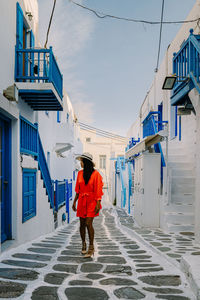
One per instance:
[(89, 192)]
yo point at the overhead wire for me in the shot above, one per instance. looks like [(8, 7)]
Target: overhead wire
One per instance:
[(160, 36), (106, 136), (49, 26), (102, 15), (100, 130)]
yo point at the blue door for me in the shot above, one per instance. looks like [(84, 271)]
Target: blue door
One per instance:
[(5, 179)]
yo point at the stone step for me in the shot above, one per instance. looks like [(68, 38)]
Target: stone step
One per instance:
[(179, 227), (179, 218), (181, 165), (182, 198), (179, 208), (182, 172)]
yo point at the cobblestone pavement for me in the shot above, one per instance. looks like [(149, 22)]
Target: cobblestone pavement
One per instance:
[(172, 245), (123, 267)]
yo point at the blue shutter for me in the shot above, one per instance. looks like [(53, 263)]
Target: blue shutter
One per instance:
[(173, 122), (20, 22), (19, 40), (29, 194)]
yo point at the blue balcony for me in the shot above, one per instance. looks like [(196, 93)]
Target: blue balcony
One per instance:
[(186, 66), (38, 78)]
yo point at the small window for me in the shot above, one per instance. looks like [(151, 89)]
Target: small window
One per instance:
[(28, 194), (67, 117), (102, 161), (88, 140)]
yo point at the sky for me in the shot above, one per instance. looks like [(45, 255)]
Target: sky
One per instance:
[(108, 65)]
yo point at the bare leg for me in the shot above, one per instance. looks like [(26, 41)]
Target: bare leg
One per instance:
[(82, 229), (90, 229)]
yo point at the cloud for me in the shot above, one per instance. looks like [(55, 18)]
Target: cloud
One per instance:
[(70, 32)]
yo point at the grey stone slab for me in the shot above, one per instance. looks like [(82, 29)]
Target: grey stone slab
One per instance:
[(163, 290), (42, 250), (161, 280), (20, 274), (111, 260), (140, 256), (72, 252), (66, 268), (91, 267), (109, 252), (187, 233), (164, 249), (118, 269), (128, 243), (117, 281), (85, 293), (128, 293), (45, 293), (172, 297), (23, 263), (174, 255), (108, 247), (11, 289), (136, 251), (196, 253), (38, 257), (131, 247), (94, 276), (47, 245), (149, 270), (80, 282), (156, 244), (143, 260), (143, 231), (73, 259), (55, 278), (147, 265)]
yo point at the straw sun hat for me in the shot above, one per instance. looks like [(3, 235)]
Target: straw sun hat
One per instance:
[(87, 156)]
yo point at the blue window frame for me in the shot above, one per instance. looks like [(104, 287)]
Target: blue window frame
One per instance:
[(58, 116), (28, 194)]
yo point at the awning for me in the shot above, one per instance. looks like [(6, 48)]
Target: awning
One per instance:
[(144, 145)]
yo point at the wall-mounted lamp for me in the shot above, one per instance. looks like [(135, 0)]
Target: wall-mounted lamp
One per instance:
[(169, 82), (30, 16)]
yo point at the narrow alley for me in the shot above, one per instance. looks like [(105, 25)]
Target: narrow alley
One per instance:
[(129, 263)]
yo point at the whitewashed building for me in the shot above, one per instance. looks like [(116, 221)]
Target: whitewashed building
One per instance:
[(39, 135), (164, 148), (105, 151)]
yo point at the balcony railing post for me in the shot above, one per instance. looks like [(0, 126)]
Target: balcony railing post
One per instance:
[(50, 64), (56, 195)]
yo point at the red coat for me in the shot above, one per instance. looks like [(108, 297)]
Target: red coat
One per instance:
[(88, 194)]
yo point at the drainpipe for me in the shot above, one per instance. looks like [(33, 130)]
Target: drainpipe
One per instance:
[(195, 99)]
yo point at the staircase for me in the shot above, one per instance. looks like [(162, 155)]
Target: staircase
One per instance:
[(179, 213)]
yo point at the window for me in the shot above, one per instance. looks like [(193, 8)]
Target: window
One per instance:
[(67, 117), (88, 140), (28, 194), (102, 161)]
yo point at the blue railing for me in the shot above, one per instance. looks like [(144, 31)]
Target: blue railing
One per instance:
[(70, 189), (45, 172), (60, 194), (186, 64), (29, 137), (121, 167), (38, 65), (150, 127)]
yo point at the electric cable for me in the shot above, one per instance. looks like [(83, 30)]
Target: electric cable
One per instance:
[(102, 15), (160, 36), (47, 36), (100, 130), (101, 134)]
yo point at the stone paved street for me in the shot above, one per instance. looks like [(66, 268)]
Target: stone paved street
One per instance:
[(125, 265)]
